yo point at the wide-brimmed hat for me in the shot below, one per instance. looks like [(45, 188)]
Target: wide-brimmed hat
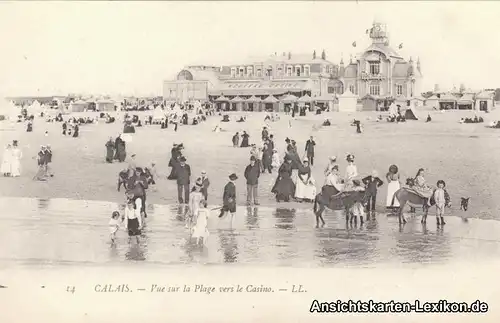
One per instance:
[(441, 182), (199, 182), (305, 160), (333, 158), (335, 167), (182, 159), (233, 177), (393, 169)]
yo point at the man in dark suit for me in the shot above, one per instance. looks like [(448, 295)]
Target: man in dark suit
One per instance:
[(310, 150), (252, 173), (229, 197), (372, 184), (183, 180)]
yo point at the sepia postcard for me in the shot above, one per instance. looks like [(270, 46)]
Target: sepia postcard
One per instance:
[(253, 161)]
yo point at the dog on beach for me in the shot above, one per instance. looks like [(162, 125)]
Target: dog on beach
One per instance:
[(464, 203)]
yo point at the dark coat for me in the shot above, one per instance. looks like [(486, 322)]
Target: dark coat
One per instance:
[(229, 196), (252, 174), (204, 186), (310, 147), (372, 184), (183, 174)]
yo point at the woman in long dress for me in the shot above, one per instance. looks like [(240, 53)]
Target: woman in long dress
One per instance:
[(305, 189), (17, 155), (6, 168), (394, 185), (284, 188), (110, 150), (351, 173), (244, 141)]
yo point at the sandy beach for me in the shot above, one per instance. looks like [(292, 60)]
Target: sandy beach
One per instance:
[(446, 149)]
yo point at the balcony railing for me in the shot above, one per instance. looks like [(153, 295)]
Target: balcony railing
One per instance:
[(369, 76)]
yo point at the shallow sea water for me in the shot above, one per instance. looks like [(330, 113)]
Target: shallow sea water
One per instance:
[(59, 232)]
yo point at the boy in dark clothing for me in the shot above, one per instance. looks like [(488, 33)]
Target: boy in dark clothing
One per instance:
[(310, 150), (252, 173), (372, 184), (229, 197)]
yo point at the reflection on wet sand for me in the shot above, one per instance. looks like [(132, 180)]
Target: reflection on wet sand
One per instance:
[(59, 231)]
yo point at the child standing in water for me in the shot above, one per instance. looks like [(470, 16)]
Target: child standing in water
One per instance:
[(200, 230), (114, 225), (440, 199)]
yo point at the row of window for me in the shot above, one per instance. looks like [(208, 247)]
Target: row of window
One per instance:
[(297, 70)]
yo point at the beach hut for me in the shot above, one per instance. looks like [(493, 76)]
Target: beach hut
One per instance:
[(447, 101), (237, 104), (417, 101), (78, 106), (369, 103), (325, 100), (484, 101), (254, 103), (105, 105), (466, 102), (222, 103), (411, 114), (348, 102), (288, 102), (271, 104)]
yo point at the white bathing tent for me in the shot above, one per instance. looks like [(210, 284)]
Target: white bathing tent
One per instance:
[(348, 102)]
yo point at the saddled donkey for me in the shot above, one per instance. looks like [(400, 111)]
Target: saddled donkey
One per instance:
[(406, 195), (341, 201)]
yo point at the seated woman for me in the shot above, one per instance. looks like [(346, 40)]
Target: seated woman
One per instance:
[(305, 189), (327, 123), (225, 118), (333, 184), (421, 187)]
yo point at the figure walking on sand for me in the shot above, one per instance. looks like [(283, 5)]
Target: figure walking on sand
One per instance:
[(110, 150), (17, 155), (200, 230), (133, 221), (6, 168)]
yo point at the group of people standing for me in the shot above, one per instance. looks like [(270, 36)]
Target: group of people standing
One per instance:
[(44, 158), (11, 160), (116, 150)]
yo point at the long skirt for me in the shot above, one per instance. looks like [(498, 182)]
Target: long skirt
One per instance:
[(284, 188), (15, 167), (133, 227), (391, 189), (303, 191), (200, 229)]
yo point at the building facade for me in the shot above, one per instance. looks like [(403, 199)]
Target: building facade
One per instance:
[(379, 71)]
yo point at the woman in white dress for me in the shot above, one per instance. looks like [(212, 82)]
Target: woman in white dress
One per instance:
[(6, 168), (394, 185), (200, 230), (351, 173), (17, 154), (305, 189), (195, 197), (276, 160)]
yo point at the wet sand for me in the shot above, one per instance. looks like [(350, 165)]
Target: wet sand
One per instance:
[(60, 233)]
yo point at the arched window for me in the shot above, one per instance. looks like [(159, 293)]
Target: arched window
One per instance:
[(351, 89), (250, 71), (289, 70), (185, 75), (241, 71), (233, 71)]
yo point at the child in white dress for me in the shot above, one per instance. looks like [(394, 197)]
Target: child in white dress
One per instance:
[(200, 230), (114, 225)]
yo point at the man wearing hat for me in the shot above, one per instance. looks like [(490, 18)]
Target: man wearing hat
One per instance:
[(310, 150), (252, 173), (229, 197), (265, 134), (183, 180), (372, 183)]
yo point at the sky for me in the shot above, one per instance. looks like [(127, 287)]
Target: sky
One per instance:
[(129, 48)]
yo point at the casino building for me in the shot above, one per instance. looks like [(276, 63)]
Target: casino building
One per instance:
[(377, 73)]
